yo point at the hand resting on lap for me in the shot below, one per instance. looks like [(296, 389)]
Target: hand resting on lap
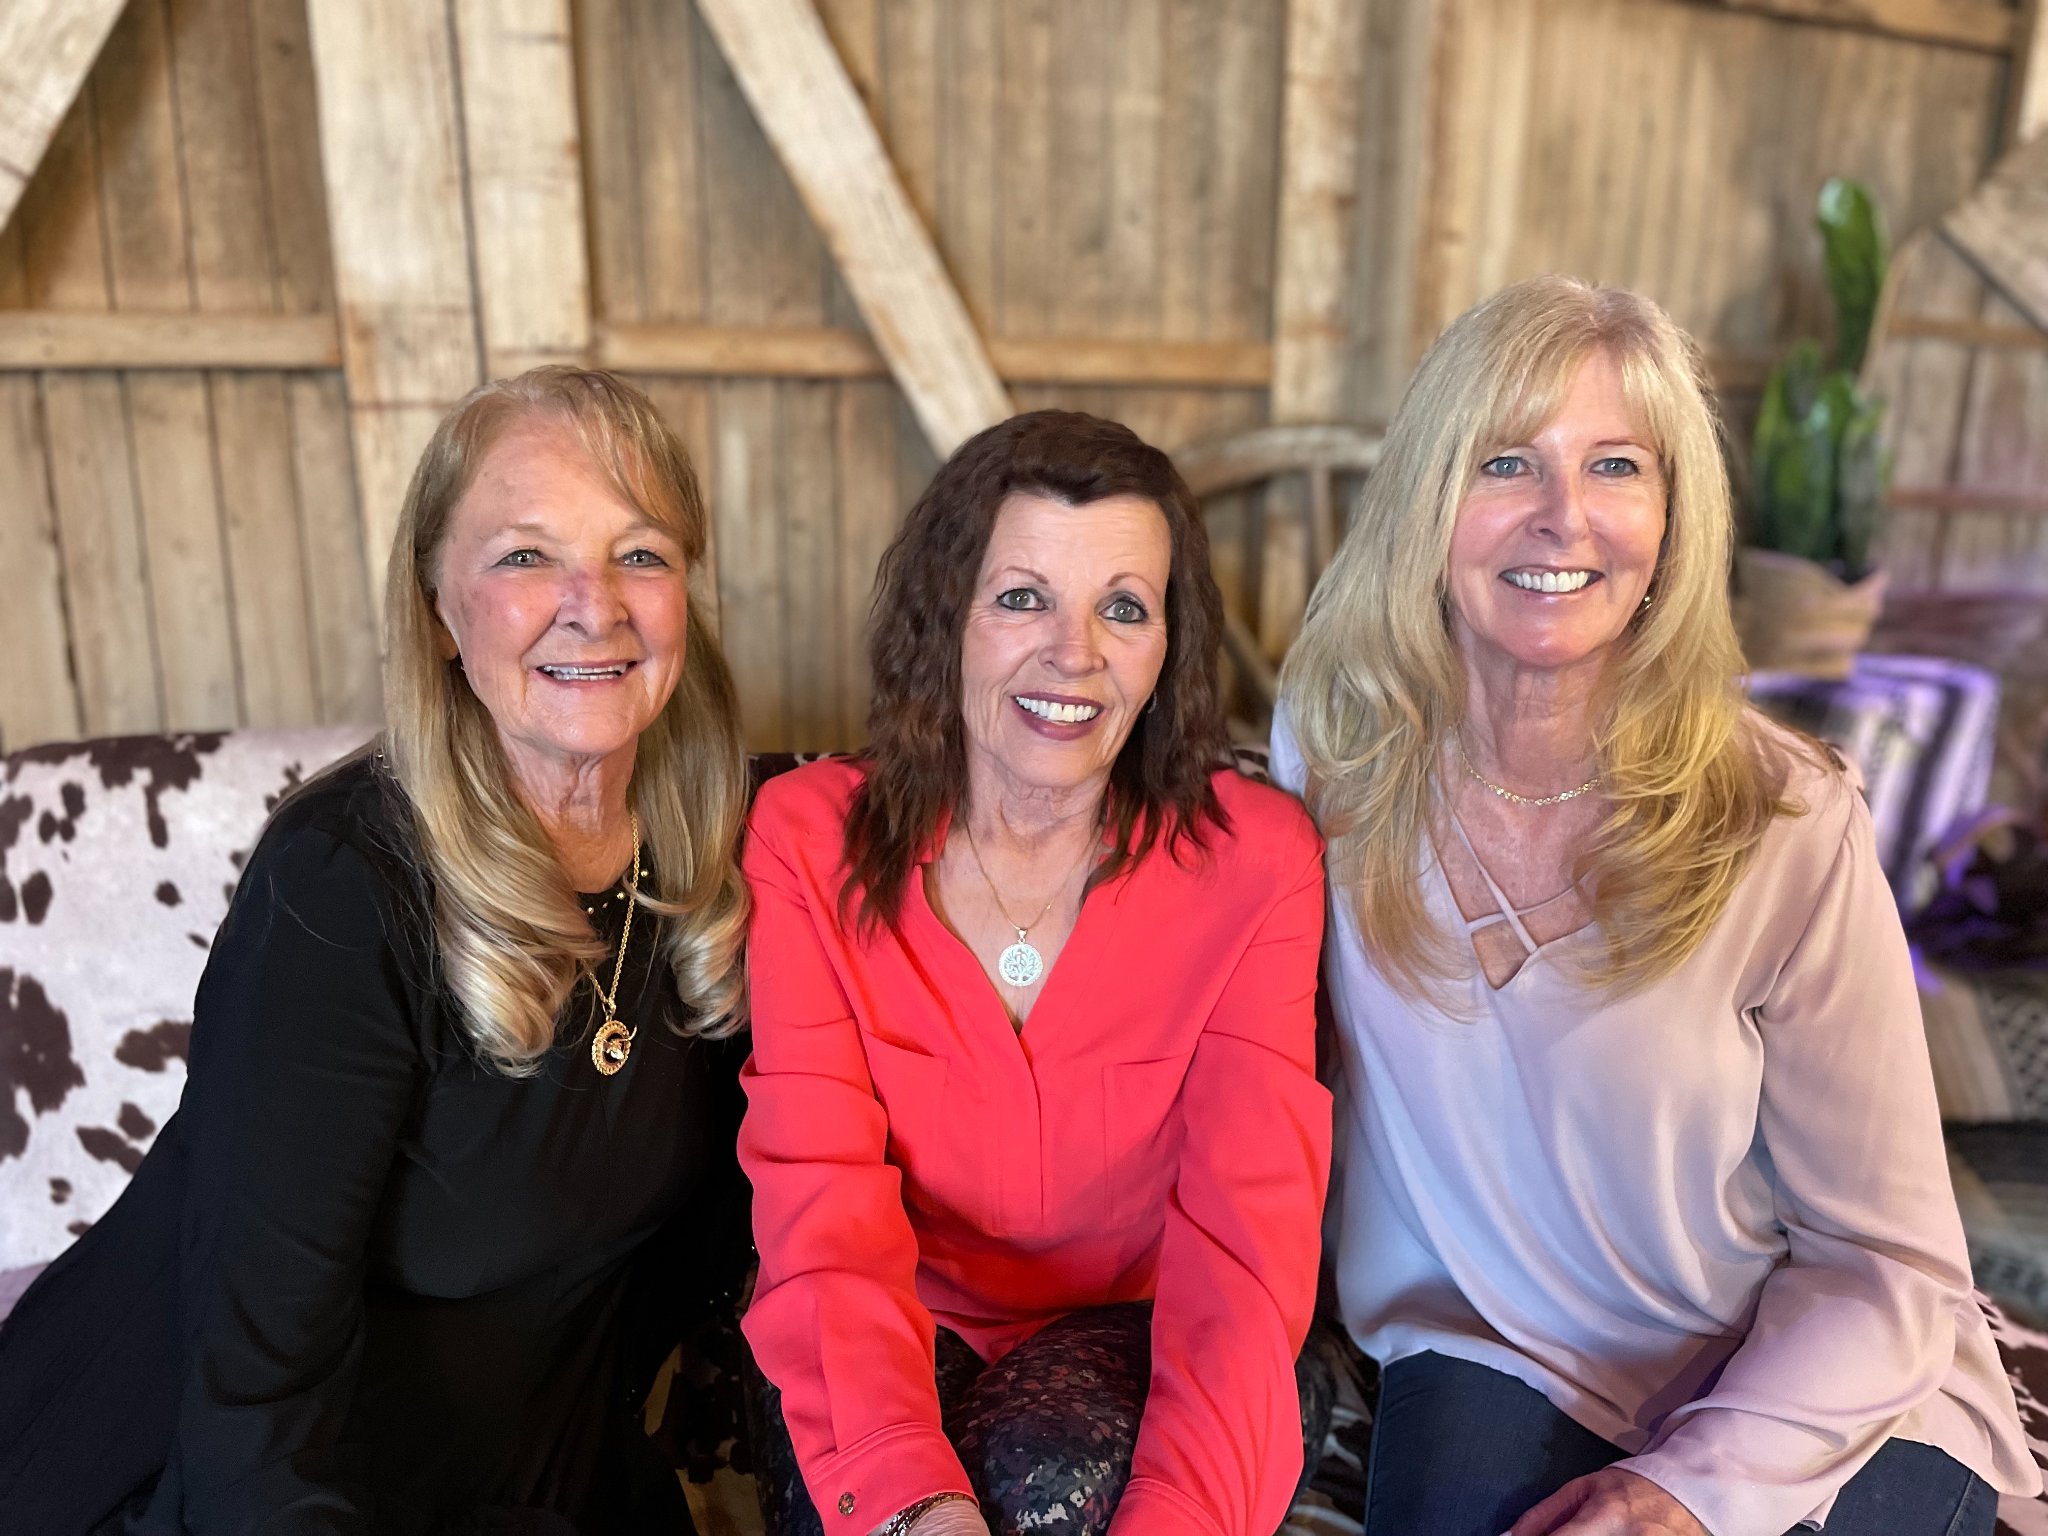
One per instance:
[(1610, 1502)]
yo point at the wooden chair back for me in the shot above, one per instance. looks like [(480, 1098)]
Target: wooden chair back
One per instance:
[(1260, 457)]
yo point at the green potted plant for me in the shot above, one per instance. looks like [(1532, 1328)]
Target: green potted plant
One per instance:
[(1807, 589)]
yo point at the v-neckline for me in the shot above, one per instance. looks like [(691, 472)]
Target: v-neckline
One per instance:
[(1012, 1025)]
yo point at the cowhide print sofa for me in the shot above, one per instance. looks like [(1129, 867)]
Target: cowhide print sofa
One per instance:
[(117, 859)]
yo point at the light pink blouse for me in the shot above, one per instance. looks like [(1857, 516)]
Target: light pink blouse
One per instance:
[(1710, 1221)]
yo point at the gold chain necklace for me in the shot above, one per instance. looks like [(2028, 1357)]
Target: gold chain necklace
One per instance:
[(613, 1042), (1514, 799), (1021, 964)]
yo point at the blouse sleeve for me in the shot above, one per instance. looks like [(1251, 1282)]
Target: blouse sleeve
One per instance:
[(1857, 1326), (836, 1323), (1283, 755), (303, 1068), (1219, 1449)]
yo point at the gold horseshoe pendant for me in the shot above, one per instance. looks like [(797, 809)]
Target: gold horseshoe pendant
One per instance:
[(610, 1047)]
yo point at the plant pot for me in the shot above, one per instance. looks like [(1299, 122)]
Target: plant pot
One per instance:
[(1796, 616)]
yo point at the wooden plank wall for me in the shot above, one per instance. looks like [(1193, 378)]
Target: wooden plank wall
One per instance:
[(1075, 187), (1970, 436), (183, 545), (1679, 150)]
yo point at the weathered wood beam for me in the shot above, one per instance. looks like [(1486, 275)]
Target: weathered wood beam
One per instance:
[(1998, 228), (1978, 24), (391, 147), (2027, 92), (1074, 360), (46, 51), (834, 352), (525, 160), (739, 351), (812, 114), (1963, 498), (1969, 333), (1313, 246), (38, 689), (75, 339), (1320, 135), (1443, 236), (71, 340), (61, 339)]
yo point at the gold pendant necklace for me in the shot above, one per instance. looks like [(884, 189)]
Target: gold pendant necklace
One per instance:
[(1514, 799), (613, 1042)]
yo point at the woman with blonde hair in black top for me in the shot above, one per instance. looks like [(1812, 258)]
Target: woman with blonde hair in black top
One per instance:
[(458, 1134)]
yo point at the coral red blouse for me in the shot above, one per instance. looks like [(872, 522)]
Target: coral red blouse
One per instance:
[(1156, 1131)]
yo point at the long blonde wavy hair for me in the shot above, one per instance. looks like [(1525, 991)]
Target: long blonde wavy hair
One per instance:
[(1374, 687), (511, 934)]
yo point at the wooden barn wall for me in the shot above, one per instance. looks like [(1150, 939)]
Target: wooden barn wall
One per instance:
[(1679, 150), (182, 544), (1075, 187), (184, 548), (1969, 436)]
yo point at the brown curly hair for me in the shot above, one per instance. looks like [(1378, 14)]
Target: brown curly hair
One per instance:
[(916, 760)]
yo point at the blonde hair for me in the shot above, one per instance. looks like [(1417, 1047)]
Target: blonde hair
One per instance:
[(1374, 687), (511, 935)]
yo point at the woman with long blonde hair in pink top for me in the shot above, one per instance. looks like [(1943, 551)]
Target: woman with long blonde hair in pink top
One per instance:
[(1641, 1199)]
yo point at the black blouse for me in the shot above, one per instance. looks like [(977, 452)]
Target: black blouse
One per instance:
[(363, 1282)]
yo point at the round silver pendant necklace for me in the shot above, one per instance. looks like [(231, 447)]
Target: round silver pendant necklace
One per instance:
[(1020, 964)]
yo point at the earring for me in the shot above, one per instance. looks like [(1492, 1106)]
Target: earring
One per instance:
[(1646, 600)]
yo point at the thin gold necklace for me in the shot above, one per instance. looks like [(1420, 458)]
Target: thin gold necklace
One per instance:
[(1021, 964), (1514, 799), (613, 1042)]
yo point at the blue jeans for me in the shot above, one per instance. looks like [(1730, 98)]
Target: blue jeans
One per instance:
[(1463, 1450)]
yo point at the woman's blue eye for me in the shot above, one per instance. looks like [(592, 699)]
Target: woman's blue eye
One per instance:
[(1505, 467), (1019, 600), (521, 558), (1616, 465), (644, 557), (1126, 610)]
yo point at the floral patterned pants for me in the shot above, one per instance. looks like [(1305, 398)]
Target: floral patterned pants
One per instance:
[(1045, 1433)]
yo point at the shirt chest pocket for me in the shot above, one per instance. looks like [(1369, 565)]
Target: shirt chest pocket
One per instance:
[(934, 1135), (1141, 1138)]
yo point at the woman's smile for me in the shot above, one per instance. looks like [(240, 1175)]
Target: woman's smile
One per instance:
[(1061, 717), (1540, 582), (585, 674)]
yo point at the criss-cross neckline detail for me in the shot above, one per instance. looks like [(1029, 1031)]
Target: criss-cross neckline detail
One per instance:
[(1507, 912)]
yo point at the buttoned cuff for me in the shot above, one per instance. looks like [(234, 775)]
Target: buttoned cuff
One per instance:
[(1151, 1507), (877, 1477)]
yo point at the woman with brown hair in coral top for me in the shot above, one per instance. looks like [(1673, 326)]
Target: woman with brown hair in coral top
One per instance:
[(1037, 1145)]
